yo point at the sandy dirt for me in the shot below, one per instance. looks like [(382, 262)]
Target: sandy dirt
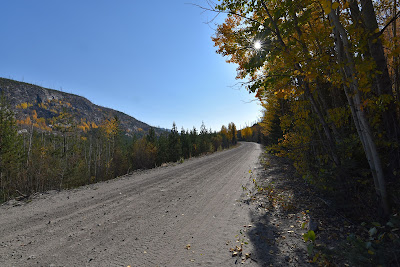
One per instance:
[(188, 214)]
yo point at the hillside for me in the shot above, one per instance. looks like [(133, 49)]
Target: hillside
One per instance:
[(25, 99)]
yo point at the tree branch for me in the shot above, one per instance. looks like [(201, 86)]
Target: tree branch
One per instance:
[(227, 12), (277, 32), (390, 22)]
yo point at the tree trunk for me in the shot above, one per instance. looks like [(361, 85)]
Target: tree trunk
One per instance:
[(328, 134), (360, 120), (383, 81), (309, 95), (396, 57), (30, 145), (376, 48)]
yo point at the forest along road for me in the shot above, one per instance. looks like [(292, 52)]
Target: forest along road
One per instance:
[(182, 215)]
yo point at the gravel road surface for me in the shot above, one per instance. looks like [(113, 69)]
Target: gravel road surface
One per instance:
[(188, 214)]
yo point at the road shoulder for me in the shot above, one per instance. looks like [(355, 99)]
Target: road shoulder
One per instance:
[(283, 207)]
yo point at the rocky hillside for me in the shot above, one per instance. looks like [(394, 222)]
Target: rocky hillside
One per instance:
[(31, 101)]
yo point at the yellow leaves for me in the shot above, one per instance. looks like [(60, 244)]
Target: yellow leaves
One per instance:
[(335, 5), (328, 6), (24, 105), (287, 92), (35, 121), (296, 72), (80, 127), (34, 115), (28, 121), (84, 126), (339, 116), (224, 130), (43, 151), (43, 105), (247, 133), (110, 127)]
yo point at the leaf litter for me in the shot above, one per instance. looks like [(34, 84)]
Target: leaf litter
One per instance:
[(284, 209)]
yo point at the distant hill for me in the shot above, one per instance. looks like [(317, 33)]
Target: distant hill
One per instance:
[(26, 99)]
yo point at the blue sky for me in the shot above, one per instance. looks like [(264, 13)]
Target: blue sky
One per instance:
[(153, 60)]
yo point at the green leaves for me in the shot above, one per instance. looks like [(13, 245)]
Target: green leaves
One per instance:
[(309, 236), (310, 249)]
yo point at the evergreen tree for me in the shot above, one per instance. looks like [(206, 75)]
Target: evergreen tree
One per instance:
[(151, 136), (174, 144), (10, 152), (194, 140), (204, 139), (162, 150), (224, 135), (186, 144)]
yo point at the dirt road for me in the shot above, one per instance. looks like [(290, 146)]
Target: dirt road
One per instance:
[(182, 215)]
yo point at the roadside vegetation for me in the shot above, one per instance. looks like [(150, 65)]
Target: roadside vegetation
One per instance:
[(327, 74), (37, 158)]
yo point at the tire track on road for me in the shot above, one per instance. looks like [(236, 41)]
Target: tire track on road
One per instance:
[(142, 219)]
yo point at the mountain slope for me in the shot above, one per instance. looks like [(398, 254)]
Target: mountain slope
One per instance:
[(25, 99)]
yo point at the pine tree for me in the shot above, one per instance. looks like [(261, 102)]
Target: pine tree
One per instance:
[(186, 144), (10, 153), (162, 150), (194, 140), (151, 136), (204, 139), (174, 144)]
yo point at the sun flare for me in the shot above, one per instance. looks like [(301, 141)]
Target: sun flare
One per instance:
[(257, 45)]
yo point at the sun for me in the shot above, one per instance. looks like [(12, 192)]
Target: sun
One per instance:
[(257, 45)]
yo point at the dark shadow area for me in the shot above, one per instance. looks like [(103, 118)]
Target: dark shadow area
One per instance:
[(283, 208)]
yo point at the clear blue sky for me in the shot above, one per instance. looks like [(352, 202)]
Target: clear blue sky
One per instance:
[(153, 60)]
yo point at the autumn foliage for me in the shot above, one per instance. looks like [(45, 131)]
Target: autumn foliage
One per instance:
[(38, 154), (327, 75)]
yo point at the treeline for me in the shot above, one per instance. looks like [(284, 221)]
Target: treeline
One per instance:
[(34, 160), (252, 134)]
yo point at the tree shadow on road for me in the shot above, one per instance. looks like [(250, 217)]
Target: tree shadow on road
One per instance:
[(282, 208)]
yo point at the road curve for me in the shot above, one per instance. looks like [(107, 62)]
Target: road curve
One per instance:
[(144, 219)]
